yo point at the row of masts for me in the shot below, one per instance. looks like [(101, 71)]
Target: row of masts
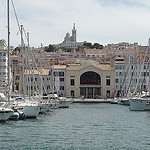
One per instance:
[(25, 65), (131, 75)]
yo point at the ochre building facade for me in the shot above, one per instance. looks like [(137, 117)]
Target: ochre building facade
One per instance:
[(89, 79)]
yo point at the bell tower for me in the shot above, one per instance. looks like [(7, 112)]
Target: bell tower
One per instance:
[(74, 33)]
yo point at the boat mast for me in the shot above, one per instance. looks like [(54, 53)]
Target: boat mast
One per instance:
[(41, 71), (149, 63), (22, 59), (8, 49)]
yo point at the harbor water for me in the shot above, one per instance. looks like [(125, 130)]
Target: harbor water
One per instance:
[(80, 127)]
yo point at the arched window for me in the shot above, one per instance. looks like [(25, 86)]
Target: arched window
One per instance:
[(90, 77)]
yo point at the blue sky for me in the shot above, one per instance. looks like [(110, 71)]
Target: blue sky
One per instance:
[(102, 21)]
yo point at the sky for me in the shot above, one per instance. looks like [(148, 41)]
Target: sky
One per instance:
[(97, 21)]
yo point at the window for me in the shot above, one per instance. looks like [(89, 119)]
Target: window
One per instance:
[(108, 82), (72, 76), (108, 93), (120, 67), (72, 93), (70, 56), (72, 82), (48, 87), (116, 80), (4, 54), (147, 73), (132, 67), (55, 73), (36, 60), (61, 79), (90, 77), (116, 67), (61, 87), (61, 73), (107, 76), (103, 56), (17, 78), (116, 73)]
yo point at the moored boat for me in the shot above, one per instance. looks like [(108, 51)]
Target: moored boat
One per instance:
[(5, 113), (140, 104), (64, 102), (29, 110)]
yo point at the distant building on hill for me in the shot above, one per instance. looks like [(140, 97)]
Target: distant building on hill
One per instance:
[(70, 41)]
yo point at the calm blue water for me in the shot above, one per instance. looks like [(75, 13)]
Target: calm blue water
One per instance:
[(81, 127)]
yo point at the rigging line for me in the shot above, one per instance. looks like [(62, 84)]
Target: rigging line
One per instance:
[(16, 16), (25, 33)]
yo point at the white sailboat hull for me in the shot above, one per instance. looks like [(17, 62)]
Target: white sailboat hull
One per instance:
[(140, 104), (64, 104), (5, 113), (30, 111)]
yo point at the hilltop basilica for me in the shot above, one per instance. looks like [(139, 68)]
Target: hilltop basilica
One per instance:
[(70, 41)]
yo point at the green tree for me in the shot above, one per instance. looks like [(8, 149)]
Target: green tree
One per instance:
[(89, 45), (50, 48), (97, 46)]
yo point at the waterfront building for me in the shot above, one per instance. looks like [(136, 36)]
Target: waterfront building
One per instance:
[(127, 76), (3, 65), (122, 46), (38, 82), (16, 72), (119, 53), (90, 79), (45, 81), (59, 79)]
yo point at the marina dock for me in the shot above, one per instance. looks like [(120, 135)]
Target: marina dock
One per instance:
[(91, 100)]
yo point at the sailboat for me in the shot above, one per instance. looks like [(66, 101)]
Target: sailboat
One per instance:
[(122, 93), (142, 102), (28, 105), (63, 101), (6, 112)]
